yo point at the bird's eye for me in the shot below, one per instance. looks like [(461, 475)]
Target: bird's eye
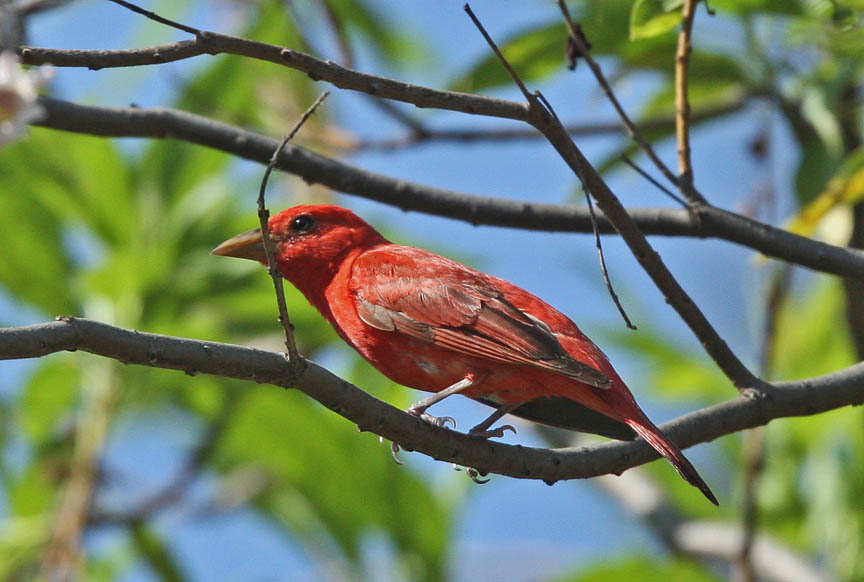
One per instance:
[(302, 223)]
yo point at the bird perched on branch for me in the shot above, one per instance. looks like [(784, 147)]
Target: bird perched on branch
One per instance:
[(433, 324)]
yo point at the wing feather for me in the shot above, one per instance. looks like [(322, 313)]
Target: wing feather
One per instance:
[(433, 299)]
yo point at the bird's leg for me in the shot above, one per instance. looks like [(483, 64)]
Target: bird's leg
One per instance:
[(419, 408), (482, 429)]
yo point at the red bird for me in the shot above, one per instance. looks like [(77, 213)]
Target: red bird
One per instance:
[(433, 324)]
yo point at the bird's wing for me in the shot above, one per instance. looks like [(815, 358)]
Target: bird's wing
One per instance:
[(434, 299)]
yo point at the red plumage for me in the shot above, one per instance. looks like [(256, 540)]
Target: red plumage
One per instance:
[(428, 322)]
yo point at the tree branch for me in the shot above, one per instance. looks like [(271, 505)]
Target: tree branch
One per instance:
[(212, 43), (752, 408), (704, 222)]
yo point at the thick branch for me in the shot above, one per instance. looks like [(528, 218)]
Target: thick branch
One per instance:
[(708, 222), (213, 43), (753, 408)]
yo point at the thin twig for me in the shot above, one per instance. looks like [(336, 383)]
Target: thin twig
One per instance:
[(682, 105), (653, 181), (269, 247), (632, 129), (528, 95), (603, 265), (156, 18)]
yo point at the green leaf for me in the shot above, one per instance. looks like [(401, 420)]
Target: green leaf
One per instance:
[(644, 569), (846, 188), (59, 167), (35, 268), (21, 540), (820, 142), (389, 39), (650, 18), (759, 7), (32, 493), (49, 397), (538, 52), (809, 341), (607, 25)]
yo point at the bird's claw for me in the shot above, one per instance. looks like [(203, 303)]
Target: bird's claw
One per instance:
[(473, 473), (439, 421), (486, 433), (394, 450)]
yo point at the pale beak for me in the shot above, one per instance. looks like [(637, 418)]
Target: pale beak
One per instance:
[(249, 245)]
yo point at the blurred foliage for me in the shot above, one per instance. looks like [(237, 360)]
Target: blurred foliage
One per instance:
[(654, 17), (644, 569), (123, 234)]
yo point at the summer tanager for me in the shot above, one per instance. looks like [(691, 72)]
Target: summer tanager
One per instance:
[(433, 324)]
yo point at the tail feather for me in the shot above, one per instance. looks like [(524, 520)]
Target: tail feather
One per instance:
[(646, 429)]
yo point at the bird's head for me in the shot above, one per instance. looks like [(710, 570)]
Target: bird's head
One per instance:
[(310, 240)]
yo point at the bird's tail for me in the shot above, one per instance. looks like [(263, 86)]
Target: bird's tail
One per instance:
[(646, 429)]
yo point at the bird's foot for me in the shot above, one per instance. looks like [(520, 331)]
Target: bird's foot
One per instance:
[(483, 431), (394, 451), (473, 473), (490, 433), (439, 421)]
